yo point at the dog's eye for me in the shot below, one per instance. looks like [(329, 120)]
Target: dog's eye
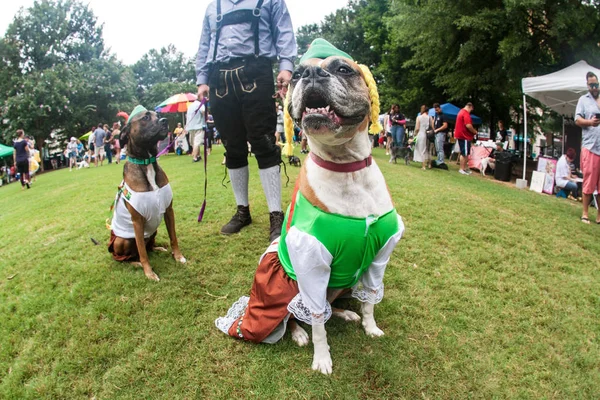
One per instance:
[(146, 117), (344, 70), (296, 75)]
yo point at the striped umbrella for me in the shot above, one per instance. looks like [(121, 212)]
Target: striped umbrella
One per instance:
[(176, 103)]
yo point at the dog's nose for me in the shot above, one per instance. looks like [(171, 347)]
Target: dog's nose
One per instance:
[(163, 122), (315, 72)]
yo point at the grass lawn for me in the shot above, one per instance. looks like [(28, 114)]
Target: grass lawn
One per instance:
[(492, 293)]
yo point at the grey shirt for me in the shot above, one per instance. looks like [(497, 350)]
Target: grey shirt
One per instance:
[(275, 36), (99, 135), (590, 135)]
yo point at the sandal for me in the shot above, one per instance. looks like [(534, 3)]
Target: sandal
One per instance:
[(585, 220)]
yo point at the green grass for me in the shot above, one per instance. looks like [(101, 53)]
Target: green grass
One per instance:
[(492, 293)]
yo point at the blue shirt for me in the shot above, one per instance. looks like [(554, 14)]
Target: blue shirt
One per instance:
[(275, 36), (590, 135), (99, 136)]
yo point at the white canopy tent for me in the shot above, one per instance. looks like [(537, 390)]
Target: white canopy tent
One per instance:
[(559, 91)]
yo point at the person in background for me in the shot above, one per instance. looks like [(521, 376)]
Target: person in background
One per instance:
[(564, 177), (464, 134), (99, 136), (237, 49), (21, 158), (587, 117), (502, 133), (196, 126), (116, 134), (279, 135), (72, 152), (440, 127), (90, 144), (421, 153), (108, 141)]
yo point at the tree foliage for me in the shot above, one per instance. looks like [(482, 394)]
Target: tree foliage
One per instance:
[(56, 75), (166, 68)]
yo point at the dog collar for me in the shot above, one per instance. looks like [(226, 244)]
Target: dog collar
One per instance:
[(139, 161), (335, 167)]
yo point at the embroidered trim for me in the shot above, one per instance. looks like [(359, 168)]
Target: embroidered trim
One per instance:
[(235, 311), (302, 312), (366, 295), (139, 161)]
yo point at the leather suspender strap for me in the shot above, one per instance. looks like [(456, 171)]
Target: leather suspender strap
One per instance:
[(238, 17), (219, 21), (255, 21)]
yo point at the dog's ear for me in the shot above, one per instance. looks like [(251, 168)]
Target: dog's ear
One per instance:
[(124, 138)]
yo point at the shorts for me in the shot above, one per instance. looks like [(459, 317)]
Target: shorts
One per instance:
[(99, 151), (72, 154), (198, 135), (590, 165), (465, 147)]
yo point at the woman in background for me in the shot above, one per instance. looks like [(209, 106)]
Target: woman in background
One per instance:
[(421, 149)]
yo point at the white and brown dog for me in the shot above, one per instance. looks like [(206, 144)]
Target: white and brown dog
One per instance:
[(144, 196), (341, 226)]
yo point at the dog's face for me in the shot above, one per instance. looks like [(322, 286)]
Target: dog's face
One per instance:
[(144, 130), (330, 99)]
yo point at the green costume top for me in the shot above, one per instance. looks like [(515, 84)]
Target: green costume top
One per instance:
[(352, 242)]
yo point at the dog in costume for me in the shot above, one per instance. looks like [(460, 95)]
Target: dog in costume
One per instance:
[(341, 226)]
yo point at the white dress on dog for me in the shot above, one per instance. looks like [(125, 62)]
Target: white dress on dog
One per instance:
[(151, 205)]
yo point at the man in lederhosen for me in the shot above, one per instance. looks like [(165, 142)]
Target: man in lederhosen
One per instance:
[(240, 41)]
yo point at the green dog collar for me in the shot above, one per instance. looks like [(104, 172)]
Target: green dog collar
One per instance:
[(139, 161)]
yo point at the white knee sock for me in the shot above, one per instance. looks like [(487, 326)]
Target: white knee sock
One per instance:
[(271, 183), (239, 182)]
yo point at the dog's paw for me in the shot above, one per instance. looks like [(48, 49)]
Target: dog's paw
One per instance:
[(347, 315), (151, 275), (372, 330), (300, 336), (322, 363), (179, 257)]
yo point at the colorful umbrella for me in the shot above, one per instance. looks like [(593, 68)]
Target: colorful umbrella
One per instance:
[(176, 103), (85, 136)]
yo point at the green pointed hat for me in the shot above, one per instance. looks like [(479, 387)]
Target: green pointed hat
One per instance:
[(321, 48), (137, 110)]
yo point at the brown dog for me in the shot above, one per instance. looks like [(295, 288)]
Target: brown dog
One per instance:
[(144, 196)]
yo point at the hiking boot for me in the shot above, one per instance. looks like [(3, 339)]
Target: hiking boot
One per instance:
[(239, 220), (276, 218)]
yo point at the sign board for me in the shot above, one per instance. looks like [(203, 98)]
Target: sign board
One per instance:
[(537, 181), (548, 167)]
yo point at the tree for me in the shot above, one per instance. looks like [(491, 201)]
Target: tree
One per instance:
[(167, 65), (55, 32), (479, 50)]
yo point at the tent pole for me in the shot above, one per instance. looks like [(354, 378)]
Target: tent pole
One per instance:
[(563, 138), (525, 139)]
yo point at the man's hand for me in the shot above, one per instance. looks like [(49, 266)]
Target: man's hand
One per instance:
[(595, 121), (203, 91), (283, 79)]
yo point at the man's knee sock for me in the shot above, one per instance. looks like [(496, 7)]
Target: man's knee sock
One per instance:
[(239, 182), (271, 183)]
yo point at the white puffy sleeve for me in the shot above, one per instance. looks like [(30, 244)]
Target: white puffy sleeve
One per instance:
[(311, 262), (369, 288)]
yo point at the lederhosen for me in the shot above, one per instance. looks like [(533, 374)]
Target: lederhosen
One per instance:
[(241, 92)]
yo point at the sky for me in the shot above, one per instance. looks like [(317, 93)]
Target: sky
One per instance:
[(131, 28)]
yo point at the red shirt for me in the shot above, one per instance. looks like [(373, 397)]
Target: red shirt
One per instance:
[(462, 120)]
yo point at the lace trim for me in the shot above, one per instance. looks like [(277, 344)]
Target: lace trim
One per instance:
[(366, 295), (303, 313), (237, 310)]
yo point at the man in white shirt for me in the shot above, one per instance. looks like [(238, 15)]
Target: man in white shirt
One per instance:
[(195, 126), (564, 178)]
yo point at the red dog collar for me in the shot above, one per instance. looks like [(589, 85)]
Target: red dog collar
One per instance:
[(348, 167)]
